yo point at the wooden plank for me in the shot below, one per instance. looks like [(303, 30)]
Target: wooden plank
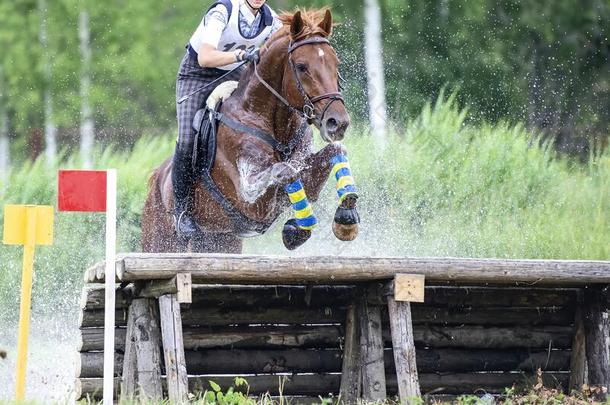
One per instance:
[(578, 358), (329, 336), (483, 337), (94, 297), (242, 337), (237, 296), (246, 269), (409, 287), (226, 361), (371, 349), (184, 285), (597, 330), (505, 296), (144, 338), (490, 316), (221, 317), (180, 285), (129, 381), (173, 347), (91, 364), (404, 348), (157, 288), (350, 371), (324, 384)]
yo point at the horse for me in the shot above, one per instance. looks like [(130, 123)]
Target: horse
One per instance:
[(264, 158)]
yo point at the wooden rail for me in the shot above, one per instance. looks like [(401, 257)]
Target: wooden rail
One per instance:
[(253, 269), (345, 325)]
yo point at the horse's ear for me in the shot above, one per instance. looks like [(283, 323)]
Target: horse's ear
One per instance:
[(297, 26), (327, 24)]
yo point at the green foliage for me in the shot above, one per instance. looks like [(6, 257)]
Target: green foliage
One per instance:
[(232, 396), (523, 60)]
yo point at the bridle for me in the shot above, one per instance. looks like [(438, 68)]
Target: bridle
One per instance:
[(308, 109)]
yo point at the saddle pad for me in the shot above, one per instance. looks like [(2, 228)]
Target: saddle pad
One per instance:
[(221, 93)]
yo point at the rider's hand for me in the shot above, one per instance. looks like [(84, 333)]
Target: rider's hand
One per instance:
[(249, 56), (253, 55)]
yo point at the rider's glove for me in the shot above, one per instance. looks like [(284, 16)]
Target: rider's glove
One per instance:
[(253, 55)]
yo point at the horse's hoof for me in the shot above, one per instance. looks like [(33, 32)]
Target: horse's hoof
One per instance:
[(345, 224), (346, 233), (293, 236)]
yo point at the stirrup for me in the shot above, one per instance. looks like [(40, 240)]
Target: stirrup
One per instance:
[(185, 225)]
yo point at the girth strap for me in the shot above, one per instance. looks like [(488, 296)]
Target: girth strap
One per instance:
[(241, 223)]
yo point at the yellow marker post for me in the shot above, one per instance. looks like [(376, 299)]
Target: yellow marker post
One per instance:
[(27, 225)]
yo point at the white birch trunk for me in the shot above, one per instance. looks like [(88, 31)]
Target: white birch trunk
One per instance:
[(374, 67), (50, 129), (444, 12), (5, 151), (87, 128)]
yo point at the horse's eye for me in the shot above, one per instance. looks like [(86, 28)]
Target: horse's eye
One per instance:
[(301, 67)]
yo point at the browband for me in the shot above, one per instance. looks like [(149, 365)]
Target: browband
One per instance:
[(313, 40)]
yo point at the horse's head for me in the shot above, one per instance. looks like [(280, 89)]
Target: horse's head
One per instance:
[(311, 77)]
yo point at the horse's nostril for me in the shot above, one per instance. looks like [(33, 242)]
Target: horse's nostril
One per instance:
[(332, 125)]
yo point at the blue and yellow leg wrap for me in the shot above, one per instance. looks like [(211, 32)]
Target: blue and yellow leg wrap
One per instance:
[(343, 174), (303, 211)]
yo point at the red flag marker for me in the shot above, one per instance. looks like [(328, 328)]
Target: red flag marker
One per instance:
[(82, 190), (95, 191)]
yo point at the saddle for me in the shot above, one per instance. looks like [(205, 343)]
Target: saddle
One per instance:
[(206, 123)]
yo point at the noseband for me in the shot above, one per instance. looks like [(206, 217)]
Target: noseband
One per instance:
[(308, 110)]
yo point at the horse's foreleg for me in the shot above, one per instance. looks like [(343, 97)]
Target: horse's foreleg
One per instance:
[(332, 159), (255, 181), (317, 168)]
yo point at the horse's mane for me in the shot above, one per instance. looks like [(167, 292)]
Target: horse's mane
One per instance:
[(311, 20)]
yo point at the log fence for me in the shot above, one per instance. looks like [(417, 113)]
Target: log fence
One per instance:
[(350, 327)]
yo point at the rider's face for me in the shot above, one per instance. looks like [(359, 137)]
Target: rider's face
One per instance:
[(256, 4)]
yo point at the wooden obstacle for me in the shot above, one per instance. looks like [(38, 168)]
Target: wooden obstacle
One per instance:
[(310, 326)]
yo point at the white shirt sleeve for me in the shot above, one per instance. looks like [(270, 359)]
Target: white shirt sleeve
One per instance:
[(211, 27)]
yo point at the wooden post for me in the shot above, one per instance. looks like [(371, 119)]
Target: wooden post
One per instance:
[(371, 349), (597, 331), (173, 348), (405, 288), (180, 285), (578, 356), (142, 361), (350, 373)]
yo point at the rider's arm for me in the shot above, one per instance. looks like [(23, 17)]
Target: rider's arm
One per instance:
[(209, 56), (207, 37)]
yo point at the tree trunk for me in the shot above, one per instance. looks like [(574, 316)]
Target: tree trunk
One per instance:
[(374, 67), (50, 129), (87, 128)]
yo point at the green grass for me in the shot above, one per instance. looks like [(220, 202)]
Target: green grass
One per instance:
[(441, 187)]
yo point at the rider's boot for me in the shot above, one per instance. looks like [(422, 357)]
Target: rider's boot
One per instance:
[(182, 181)]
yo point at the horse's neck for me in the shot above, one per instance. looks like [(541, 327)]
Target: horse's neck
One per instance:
[(275, 117)]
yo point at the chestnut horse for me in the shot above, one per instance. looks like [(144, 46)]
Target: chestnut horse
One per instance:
[(264, 144)]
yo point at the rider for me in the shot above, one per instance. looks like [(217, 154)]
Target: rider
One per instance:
[(231, 32)]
